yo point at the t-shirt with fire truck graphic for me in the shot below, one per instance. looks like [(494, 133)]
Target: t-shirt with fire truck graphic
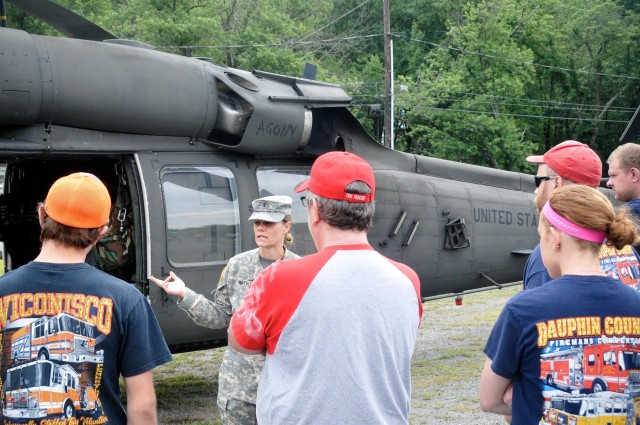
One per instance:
[(620, 264), (572, 348), (68, 331)]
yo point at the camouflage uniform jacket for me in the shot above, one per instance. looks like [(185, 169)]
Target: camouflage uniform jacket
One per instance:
[(239, 373)]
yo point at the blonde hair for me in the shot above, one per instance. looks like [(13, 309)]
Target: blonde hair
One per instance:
[(288, 238), (628, 155), (589, 208)]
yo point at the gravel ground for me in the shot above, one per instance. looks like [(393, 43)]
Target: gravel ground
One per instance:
[(448, 359), (446, 369)]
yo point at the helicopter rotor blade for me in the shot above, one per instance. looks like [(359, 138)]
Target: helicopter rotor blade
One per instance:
[(62, 19)]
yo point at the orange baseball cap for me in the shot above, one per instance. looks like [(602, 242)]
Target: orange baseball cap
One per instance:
[(79, 200), (573, 161), (332, 172)]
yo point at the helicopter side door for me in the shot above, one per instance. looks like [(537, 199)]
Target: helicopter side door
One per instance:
[(192, 227)]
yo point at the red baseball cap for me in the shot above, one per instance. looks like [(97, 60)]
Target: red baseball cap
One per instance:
[(573, 161), (332, 172), (79, 200)]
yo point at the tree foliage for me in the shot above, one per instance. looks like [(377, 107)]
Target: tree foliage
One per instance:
[(480, 81)]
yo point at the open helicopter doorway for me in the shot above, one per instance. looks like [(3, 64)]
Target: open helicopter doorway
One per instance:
[(26, 183)]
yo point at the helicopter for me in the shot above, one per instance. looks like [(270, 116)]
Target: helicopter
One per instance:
[(185, 145)]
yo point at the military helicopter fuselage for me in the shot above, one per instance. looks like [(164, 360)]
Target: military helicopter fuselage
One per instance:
[(191, 144)]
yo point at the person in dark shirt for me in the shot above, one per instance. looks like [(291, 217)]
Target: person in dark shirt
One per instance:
[(567, 163), (624, 176), (68, 322), (581, 317)]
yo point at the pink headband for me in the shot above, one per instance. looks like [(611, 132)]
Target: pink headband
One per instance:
[(570, 228)]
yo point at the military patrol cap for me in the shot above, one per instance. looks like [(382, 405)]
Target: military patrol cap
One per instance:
[(271, 208)]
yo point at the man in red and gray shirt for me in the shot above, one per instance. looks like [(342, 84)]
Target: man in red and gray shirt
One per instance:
[(338, 327)]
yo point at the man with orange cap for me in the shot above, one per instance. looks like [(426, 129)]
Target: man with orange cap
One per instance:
[(339, 326), (103, 328)]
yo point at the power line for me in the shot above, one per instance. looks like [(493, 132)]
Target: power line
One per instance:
[(335, 20), (470, 52), (553, 103), (556, 102), (278, 44), (581, 107), (336, 40), (508, 114)]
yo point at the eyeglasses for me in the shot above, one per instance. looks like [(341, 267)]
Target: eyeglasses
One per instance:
[(540, 179), (306, 200)]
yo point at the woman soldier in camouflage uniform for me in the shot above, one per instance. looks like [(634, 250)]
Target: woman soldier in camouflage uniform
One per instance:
[(239, 373)]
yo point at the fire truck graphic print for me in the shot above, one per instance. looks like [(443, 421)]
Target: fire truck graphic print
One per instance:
[(590, 370), (50, 365), (41, 388), (621, 264), (594, 368), (61, 337)]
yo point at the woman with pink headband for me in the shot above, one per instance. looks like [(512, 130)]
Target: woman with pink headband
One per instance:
[(551, 344)]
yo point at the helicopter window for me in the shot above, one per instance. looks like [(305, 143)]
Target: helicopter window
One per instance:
[(282, 181), (203, 221)]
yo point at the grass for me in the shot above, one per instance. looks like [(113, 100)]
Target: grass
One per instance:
[(186, 388)]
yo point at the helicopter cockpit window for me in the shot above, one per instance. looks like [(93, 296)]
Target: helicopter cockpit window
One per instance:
[(203, 221), (282, 181)]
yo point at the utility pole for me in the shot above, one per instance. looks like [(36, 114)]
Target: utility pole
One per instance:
[(3, 14), (388, 76)]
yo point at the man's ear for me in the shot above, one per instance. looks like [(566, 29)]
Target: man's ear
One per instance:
[(557, 182), (314, 214), (41, 213), (635, 174), (101, 233)]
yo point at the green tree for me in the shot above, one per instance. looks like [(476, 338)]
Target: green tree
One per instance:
[(538, 72), (587, 47), (457, 107)]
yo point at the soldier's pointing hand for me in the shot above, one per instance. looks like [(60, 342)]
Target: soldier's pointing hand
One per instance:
[(172, 285)]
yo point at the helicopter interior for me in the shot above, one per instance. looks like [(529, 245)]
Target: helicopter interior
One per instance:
[(26, 182)]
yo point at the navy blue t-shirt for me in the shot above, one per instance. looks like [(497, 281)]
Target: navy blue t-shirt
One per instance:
[(563, 341), (70, 330), (535, 274), (634, 207)]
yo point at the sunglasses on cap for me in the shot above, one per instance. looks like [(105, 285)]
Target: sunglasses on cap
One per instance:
[(540, 179)]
